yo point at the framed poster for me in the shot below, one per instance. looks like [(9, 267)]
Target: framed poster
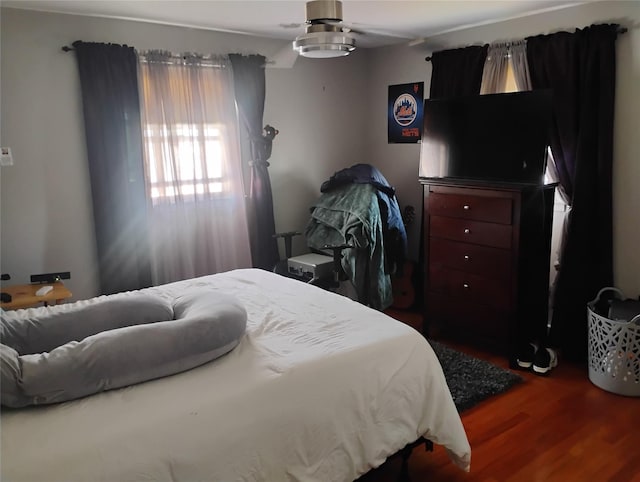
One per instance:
[(404, 114)]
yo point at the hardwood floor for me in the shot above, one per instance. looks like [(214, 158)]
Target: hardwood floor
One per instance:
[(558, 428)]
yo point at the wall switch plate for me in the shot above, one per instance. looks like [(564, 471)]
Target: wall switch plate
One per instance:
[(6, 159)]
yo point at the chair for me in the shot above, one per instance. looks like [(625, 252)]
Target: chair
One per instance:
[(357, 222), (329, 282)]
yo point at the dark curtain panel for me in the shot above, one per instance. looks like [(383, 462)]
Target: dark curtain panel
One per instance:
[(109, 83), (249, 83), (457, 72), (580, 68)]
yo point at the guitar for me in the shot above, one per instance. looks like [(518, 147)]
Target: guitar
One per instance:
[(401, 284)]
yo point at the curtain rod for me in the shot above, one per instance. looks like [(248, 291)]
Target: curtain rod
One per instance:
[(621, 30), (208, 60), (66, 48)]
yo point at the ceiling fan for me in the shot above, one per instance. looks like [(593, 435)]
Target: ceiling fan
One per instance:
[(326, 35)]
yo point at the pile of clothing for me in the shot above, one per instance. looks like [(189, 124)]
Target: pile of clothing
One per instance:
[(358, 207)]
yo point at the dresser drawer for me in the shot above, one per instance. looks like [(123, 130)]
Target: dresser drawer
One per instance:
[(471, 258), (469, 287), (476, 232), (468, 320), (478, 208)]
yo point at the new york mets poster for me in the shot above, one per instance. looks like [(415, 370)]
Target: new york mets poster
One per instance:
[(405, 112)]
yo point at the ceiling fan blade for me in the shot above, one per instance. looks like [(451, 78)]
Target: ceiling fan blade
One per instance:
[(416, 42), (364, 29), (284, 58), (291, 26)]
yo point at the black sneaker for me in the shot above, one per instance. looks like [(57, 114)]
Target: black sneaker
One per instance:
[(526, 355), (544, 361)]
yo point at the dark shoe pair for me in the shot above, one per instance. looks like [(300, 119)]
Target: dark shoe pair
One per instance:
[(541, 362), (545, 361)]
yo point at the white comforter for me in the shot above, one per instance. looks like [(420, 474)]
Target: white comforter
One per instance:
[(321, 388)]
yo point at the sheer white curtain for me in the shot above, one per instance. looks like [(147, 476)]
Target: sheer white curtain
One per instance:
[(494, 74), (520, 65), (505, 65), (192, 166)]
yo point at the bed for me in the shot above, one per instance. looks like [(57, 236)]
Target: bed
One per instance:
[(320, 388)]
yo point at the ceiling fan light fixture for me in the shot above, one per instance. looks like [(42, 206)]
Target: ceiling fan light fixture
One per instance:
[(323, 45)]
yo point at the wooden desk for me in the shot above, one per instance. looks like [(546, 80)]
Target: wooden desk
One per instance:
[(24, 296)]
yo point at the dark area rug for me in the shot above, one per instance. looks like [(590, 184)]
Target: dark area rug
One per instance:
[(472, 380)]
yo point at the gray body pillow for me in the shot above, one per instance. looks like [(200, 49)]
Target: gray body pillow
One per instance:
[(115, 342)]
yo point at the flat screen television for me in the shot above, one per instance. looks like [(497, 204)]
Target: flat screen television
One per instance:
[(495, 137)]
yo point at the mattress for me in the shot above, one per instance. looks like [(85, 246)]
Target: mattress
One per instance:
[(320, 388)]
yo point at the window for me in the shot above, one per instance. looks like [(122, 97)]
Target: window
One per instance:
[(189, 129), (199, 155), (510, 82), (192, 165)]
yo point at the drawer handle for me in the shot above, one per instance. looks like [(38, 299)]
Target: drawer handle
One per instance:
[(467, 230), (467, 257), (465, 286), (466, 207)]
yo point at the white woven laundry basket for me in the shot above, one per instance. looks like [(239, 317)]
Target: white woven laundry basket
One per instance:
[(614, 351)]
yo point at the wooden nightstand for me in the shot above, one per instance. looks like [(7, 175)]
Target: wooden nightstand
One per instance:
[(24, 296)]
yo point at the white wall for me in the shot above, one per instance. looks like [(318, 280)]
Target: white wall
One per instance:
[(399, 162), (322, 129), (330, 113), (46, 218)]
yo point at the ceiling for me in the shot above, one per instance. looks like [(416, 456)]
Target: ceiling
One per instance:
[(384, 22)]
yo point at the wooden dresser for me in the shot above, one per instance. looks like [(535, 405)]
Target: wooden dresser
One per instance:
[(486, 268)]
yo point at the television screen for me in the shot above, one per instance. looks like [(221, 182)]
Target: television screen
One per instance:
[(495, 137)]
